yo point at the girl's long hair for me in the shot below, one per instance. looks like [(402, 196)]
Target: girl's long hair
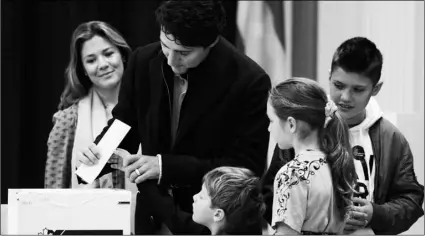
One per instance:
[(304, 99), (335, 143)]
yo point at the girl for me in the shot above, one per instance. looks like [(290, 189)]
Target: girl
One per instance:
[(312, 192)]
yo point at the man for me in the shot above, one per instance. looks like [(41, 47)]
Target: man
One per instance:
[(194, 102), (389, 198)]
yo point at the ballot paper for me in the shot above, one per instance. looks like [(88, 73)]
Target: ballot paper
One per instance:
[(69, 211), (107, 145)]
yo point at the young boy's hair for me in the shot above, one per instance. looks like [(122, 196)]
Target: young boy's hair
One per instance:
[(237, 192), (359, 55), (192, 23)]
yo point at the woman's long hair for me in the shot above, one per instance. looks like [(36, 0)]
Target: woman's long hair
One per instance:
[(77, 83), (304, 99)]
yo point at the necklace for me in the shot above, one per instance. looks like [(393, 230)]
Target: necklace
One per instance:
[(108, 107), (307, 150)]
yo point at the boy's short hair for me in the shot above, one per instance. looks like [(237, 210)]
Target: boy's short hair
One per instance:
[(237, 192), (192, 23), (359, 55)]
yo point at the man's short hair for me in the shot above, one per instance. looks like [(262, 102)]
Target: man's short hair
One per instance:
[(192, 23)]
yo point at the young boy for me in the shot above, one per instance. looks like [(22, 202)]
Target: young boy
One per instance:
[(389, 196), (230, 202)]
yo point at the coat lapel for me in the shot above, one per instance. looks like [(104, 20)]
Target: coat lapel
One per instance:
[(207, 84), (159, 112)]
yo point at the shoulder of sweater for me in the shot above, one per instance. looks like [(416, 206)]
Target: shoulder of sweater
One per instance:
[(67, 115)]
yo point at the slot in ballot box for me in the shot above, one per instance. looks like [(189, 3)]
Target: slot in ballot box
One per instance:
[(69, 211)]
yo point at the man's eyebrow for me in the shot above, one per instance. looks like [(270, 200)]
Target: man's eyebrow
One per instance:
[(188, 49)]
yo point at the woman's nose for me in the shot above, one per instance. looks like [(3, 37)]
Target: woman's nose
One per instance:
[(103, 64)]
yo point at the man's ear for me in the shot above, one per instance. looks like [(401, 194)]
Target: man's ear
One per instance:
[(377, 88), (218, 215), (215, 42)]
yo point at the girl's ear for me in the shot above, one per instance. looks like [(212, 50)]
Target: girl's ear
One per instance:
[(292, 124)]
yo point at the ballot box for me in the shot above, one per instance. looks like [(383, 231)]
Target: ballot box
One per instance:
[(3, 219), (69, 211)]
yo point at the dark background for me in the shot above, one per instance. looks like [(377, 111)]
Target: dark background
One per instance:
[(35, 38), (35, 51)]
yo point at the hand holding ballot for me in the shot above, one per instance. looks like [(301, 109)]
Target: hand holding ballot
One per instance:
[(95, 157), (137, 167), (89, 156)]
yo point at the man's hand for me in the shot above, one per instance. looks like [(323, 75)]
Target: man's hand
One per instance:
[(360, 215), (139, 168), (119, 159)]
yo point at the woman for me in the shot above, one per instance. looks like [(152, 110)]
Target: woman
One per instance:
[(312, 192), (98, 54)]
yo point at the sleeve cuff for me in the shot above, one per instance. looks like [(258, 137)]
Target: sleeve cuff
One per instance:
[(160, 168), (378, 217)]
